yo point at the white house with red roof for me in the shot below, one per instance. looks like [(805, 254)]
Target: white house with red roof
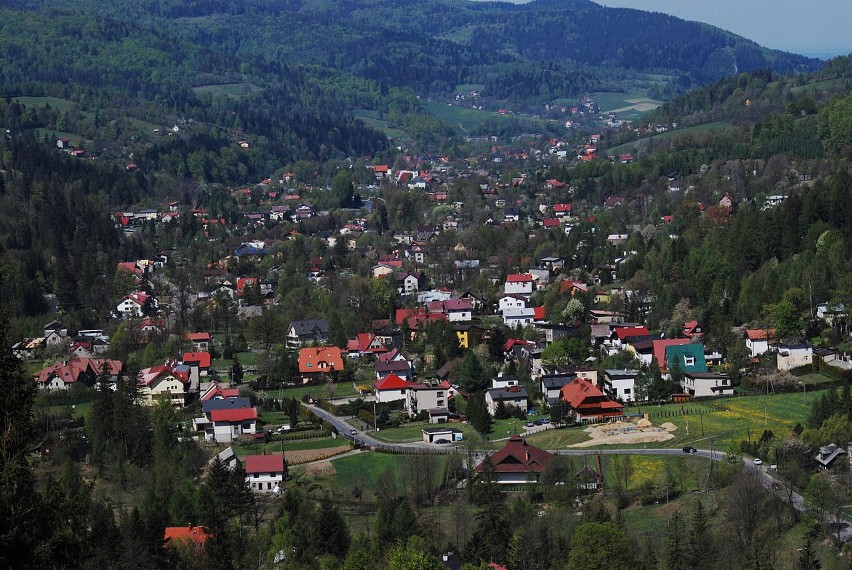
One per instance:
[(200, 359), (517, 462), (165, 381), (758, 341), (132, 304), (265, 473), (519, 284), (200, 340), (316, 362), (216, 392), (392, 388), (230, 423)]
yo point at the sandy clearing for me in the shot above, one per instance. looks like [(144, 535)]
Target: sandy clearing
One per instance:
[(627, 432), (639, 107)]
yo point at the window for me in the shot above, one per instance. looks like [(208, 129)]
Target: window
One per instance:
[(440, 403), (627, 390), (440, 394), (689, 361)]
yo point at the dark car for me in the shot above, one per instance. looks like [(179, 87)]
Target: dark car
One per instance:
[(690, 450), (442, 441)]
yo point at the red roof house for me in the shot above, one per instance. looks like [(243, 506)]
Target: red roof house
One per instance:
[(588, 403), (196, 535), (517, 462)]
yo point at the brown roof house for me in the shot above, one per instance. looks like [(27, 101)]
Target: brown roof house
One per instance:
[(517, 462)]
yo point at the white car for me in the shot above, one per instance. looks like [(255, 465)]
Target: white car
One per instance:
[(757, 461)]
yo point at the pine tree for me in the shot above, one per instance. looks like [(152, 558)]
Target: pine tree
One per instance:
[(808, 558), (699, 551), (673, 557), (100, 422)]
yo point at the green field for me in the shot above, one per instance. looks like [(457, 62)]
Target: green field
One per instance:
[(365, 469), (234, 90), (74, 139), (467, 119), (696, 130), (54, 102), (276, 446), (372, 119), (341, 390), (468, 87), (746, 417)]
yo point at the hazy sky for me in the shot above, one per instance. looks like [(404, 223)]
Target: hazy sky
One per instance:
[(818, 28)]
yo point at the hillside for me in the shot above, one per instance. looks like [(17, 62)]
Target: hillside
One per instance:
[(526, 54)]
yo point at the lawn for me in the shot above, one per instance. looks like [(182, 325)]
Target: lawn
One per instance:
[(696, 130), (54, 102), (468, 119), (372, 119), (341, 390), (276, 446), (74, 139), (746, 417), (234, 90), (365, 469)]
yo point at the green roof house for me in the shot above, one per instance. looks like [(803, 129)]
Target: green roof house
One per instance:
[(690, 357)]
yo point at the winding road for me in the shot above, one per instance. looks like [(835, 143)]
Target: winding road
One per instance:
[(840, 528)]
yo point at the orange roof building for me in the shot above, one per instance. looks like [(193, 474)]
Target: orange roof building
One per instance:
[(587, 403), (315, 361), (196, 535)]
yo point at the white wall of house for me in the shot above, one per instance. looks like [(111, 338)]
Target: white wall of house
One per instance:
[(757, 347), (383, 396), (793, 357), (518, 288), (166, 384), (225, 432), (459, 316), (623, 389), (419, 400), (264, 482), (507, 302)]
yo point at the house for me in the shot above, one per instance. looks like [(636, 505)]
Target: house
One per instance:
[(660, 346), (201, 360), (163, 382), (705, 384), (518, 284), (265, 473), (620, 384), (214, 391), (458, 310), (519, 317), (827, 454), (55, 333), (689, 357), (200, 341), (692, 330), (225, 419), (26, 348), (431, 399), (392, 388), (587, 403), (307, 331), (758, 341), (365, 344), (512, 302), (551, 386), (230, 424), (794, 355), (394, 362), (621, 336), (185, 535), (504, 381), (315, 362), (511, 396), (134, 304), (517, 462), (431, 435), (62, 375)]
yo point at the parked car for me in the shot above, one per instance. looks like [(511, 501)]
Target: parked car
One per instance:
[(544, 421), (690, 450), (757, 461), (284, 428), (529, 424), (442, 441)]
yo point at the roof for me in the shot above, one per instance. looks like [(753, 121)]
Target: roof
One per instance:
[(508, 393), (234, 415), (392, 382), (219, 393), (660, 346), (320, 359), (309, 327), (519, 278), (69, 371), (196, 534), (517, 456), (627, 332), (146, 376), (760, 334), (581, 394), (225, 404), (202, 358), (273, 463)]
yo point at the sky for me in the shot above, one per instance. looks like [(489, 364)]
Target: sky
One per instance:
[(818, 28)]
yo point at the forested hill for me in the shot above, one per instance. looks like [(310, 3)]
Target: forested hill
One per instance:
[(522, 53)]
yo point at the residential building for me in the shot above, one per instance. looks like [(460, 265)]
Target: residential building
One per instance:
[(519, 284), (620, 384), (794, 355), (689, 357), (551, 386), (391, 388), (167, 381), (134, 304), (511, 396), (265, 473), (431, 399), (317, 362), (516, 462), (62, 375), (706, 384), (587, 403), (308, 331), (431, 435), (758, 341)]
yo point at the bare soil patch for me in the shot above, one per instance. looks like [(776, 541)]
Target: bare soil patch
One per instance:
[(642, 431)]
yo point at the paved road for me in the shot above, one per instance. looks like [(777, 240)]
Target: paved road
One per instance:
[(840, 528)]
